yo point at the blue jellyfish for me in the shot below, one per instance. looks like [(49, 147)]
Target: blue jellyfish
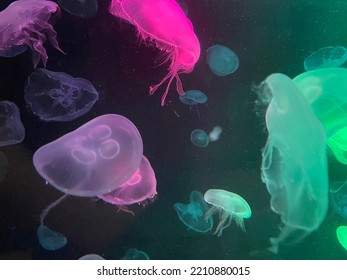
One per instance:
[(193, 214), (199, 138), (338, 198), (134, 254), (222, 60), (326, 57), (50, 239), (193, 97)]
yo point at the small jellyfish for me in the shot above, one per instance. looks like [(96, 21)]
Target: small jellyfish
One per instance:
[(193, 97), (165, 25), (222, 60), (341, 233), (25, 23), (230, 206), (134, 254), (215, 133), (199, 138), (50, 239), (3, 166), (80, 8), (95, 159), (325, 89), (56, 96), (138, 189), (338, 198), (294, 160), (94, 257), (11, 128), (326, 57), (193, 214)]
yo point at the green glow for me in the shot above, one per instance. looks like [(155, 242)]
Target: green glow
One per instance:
[(325, 89), (294, 162), (341, 233)]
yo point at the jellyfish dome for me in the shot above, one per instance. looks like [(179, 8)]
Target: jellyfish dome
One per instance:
[(222, 60), (325, 89), (193, 214), (294, 161), (140, 187), (341, 233), (163, 23), (193, 97), (95, 159), (230, 206), (199, 138), (25, 23), (326, 57)]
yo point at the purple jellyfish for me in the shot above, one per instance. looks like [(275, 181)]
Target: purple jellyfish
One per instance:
[(23, 24)]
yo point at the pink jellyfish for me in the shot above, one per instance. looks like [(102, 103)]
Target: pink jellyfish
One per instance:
[(138, 189), (163, 23), (23, 24)]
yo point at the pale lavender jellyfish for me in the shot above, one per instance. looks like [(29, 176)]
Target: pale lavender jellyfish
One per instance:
[(95, 159), (138, 189), (23, 24)]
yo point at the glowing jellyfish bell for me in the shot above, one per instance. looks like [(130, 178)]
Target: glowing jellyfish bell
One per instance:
[(95, 159), (222, 60), (326, 57), (199, 138), (296, 180), (164, 24), (325, 89), (138, 189), (193, 214), (230, 206), (341, 233)]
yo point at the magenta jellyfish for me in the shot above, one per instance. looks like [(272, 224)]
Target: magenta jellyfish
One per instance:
[(138, 189), (164, 24), (25, 23)]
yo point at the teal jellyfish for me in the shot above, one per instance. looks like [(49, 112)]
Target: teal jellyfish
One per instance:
[(222, 60), (193, 214), (135, 254), (199, 138), (230, 206), (193, 97), (326, 57), (50, 239), (294, 165), (325, 89)]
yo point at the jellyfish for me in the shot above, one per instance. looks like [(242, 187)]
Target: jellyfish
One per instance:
[(142, 186), (25, 23), (338, 198), (193, 214), (222, 60), (215, 133), (193, 97), (48, 238), (325, 89), (135, 254), (326, 57), (11, 128), (230, 206), (294, 161), (164, 24), (3, 166), (341, 233), (95, 159), (94, 257), (56, 96), (80, 8), (199, 138)]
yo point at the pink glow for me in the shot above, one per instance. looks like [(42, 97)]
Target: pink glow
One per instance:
[(164, 23), (140, 187), (25, 23)]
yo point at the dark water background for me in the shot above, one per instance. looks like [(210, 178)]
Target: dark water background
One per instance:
[(268, 35)]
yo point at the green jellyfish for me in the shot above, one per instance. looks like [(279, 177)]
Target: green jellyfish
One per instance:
[(230, 206), (294, 162), (341, 233), (325, 89), (193, 214)]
